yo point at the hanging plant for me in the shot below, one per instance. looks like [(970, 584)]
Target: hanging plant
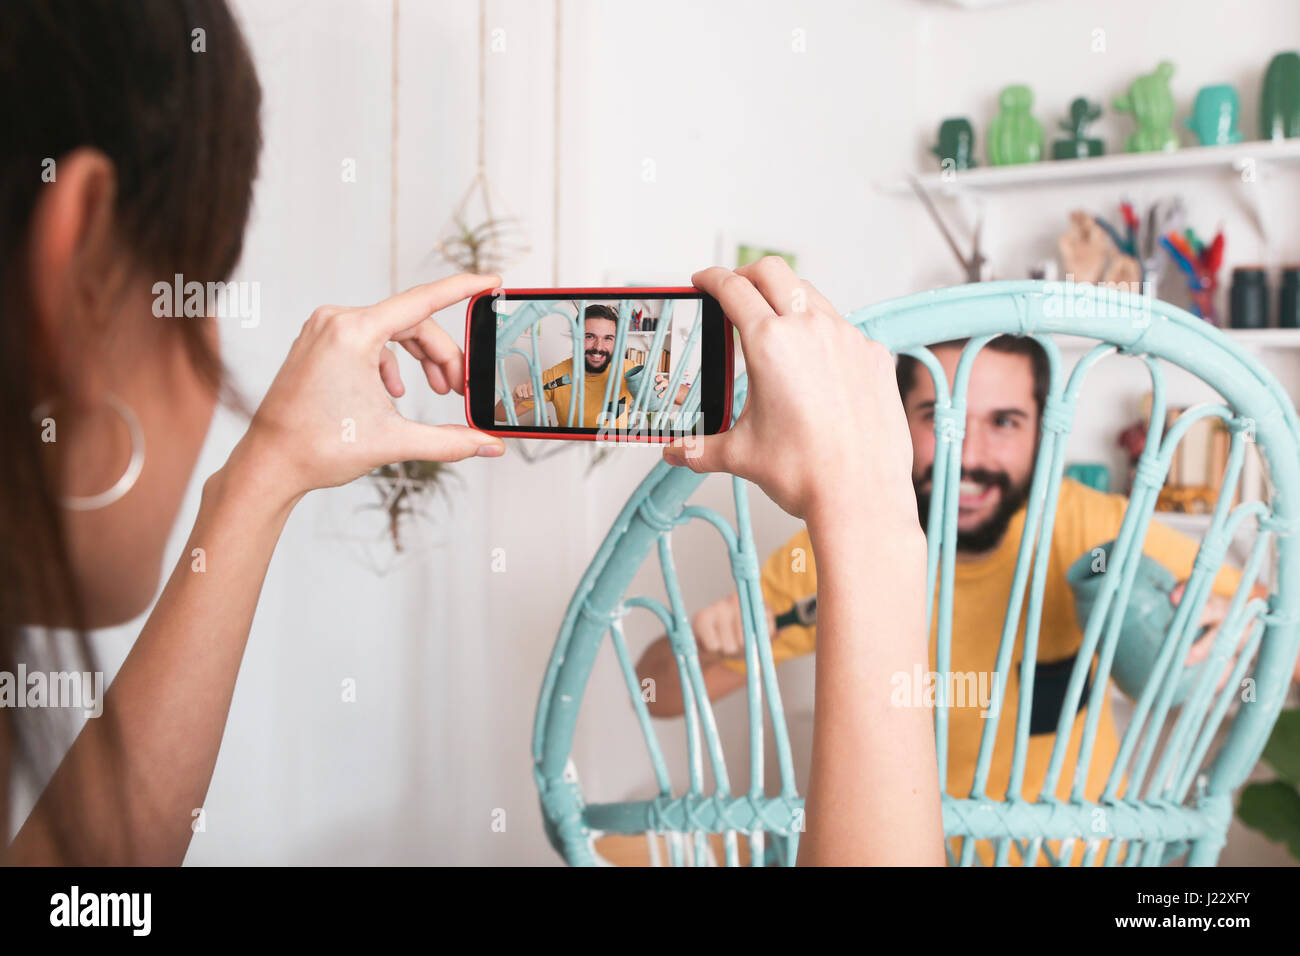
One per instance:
[(476, 240), (489, 246), (479, 238), (406, 489)]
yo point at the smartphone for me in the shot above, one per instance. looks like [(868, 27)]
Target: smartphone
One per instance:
[(633, 364)]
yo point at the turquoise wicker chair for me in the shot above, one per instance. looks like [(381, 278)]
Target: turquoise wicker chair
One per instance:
[(1177, 797)]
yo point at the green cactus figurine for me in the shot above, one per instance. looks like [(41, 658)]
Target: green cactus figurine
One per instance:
[(1151, 102), (956, 146), (1079, 146), (1279, 99), (1014, 135), (1214, 116)]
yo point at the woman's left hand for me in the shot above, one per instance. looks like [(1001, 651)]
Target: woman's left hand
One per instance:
[(328, 418)]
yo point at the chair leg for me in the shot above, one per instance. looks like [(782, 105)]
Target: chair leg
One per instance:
[(1205, 851)]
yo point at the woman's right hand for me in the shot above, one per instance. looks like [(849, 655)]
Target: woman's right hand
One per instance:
[(328, 418), (823, 427)]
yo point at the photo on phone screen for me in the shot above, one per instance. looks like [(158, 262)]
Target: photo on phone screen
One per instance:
[(632, 364)]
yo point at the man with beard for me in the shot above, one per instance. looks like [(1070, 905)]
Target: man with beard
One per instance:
[(601, 330), (1004, 405)]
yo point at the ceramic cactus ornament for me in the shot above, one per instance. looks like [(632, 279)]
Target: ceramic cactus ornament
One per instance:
[(1151, 102), (1079, 145), (1279, 98), (956, 146), (1214, 116), (1014, 135)]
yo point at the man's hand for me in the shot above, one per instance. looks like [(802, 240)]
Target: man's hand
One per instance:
[(524, 392), (1212, 618), (719, 628), (661, 386)]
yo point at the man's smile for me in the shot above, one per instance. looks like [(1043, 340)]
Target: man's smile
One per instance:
[(976, 496)]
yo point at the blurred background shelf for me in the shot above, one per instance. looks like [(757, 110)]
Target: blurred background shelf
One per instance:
[(1237, 158), (1253, 339)]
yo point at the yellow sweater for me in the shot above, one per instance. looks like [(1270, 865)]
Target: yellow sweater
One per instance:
[(593, 395)]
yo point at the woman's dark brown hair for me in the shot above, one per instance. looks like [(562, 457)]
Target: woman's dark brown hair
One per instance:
[(165, 89)]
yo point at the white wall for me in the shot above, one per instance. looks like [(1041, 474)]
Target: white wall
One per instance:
[(686, 127)]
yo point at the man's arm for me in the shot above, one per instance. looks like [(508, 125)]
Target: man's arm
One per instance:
[(720, 637), (659, 664), (661, 385), (1177, 552), (523, 397)]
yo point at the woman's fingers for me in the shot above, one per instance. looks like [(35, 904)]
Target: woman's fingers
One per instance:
[(434, 374), (414, 441), (390, 373), (439, 354), (817, 301), (397, 314), (704, 453), (784, 291), (438, 381), (743, 304)]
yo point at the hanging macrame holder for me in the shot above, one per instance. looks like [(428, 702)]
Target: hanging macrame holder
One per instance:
[(493, 242)]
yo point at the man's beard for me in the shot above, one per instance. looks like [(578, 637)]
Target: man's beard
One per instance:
[(596, 369), (988, 535)]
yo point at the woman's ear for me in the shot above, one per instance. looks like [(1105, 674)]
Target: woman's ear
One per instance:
[(73, 263)]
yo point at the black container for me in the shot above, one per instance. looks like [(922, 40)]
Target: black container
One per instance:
[(1249, 299), (1288, 299)]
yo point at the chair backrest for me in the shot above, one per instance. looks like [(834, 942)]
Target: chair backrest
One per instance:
[(1166, 794)]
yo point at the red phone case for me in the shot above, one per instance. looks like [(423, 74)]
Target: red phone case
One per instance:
[(639, 292)]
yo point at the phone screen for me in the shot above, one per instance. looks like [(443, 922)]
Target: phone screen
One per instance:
[(614, 364)]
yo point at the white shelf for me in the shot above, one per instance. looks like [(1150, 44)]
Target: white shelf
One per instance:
[(1247, 338), (1194, 525), (1113, 166)]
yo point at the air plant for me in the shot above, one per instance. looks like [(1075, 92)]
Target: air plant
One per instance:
[(405, 488), (487, 247)]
